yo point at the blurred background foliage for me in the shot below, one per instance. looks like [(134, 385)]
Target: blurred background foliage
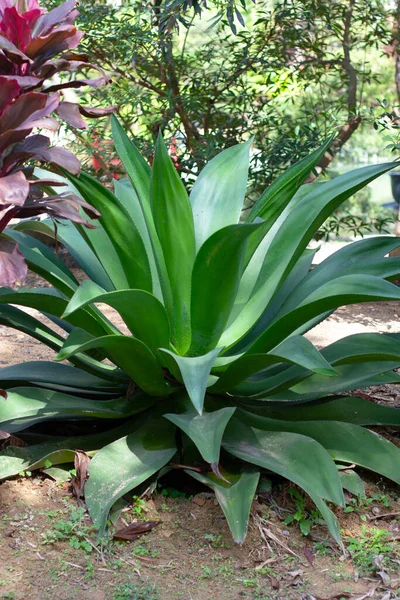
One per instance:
[(290, 73)]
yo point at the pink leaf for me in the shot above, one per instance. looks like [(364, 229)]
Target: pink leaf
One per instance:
[(13, 267), (70, 113), (14, 189)]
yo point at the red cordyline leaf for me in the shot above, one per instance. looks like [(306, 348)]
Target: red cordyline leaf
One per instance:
[(13, 268), (35, 45), (14, 189)]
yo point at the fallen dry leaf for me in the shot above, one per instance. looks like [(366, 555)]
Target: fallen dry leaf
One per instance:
[(134, 530), (274, 582), (7, 439), (309, 555), (4, 394), (81, 464)]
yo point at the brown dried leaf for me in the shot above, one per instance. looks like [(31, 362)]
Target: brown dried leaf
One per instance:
[(4, 394), (309, 555), (134, 530), (81, 464), (274, 582)]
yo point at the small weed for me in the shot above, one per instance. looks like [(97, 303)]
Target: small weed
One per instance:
[(74, 530), (369, 544), (322, 548), (130, 591), (303, 517), (206, 572), (215, 540), (138, 507)]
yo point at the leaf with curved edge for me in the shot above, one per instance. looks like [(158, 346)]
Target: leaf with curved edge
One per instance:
[(139, 173), (349, 409), (26, 406), (174, 224), (58, 450), (91, 248), (286, 290), (143, 314), (354, 257), (350, 377), (125, 192), (215, 282), (121, 231), (349, 289), (344, 442), (235, 499), (292, 387), (195, 371), (84, 255), (352, 482), (218, 194), (44, 262), (291, 238), (19, 319), (204, 430), (295, 457), (126, 463), (362, 347), (128, 353), (48, 300), (278, 195), (52, 374), (295, 350), (136, 167)]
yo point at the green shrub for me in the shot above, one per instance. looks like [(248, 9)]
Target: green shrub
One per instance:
[(216, 310)]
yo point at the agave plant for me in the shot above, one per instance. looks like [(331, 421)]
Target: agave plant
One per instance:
[(215, 373), (35, 45)]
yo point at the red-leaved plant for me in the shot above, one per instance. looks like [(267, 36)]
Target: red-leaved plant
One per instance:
[(35, 45)]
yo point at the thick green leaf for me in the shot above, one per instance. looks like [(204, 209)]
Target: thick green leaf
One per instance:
[(204, 430), (26, 406), (345, 442), (287, 242), (215, 283), (278, 195), (57, 450), (174, 224), (352, 258), (195, 371), (135, 165), (44, 262), (295, 457), (55, 376), (129, 354), (143, 314), (352, 483), (286, 290), (350, 409), (218, 194), (139, 173), (295, 350), (349, 289), (235, 499), (84, 254), (126, 193), (123, 465), (121, 231), (19, 319), (48, 300)]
